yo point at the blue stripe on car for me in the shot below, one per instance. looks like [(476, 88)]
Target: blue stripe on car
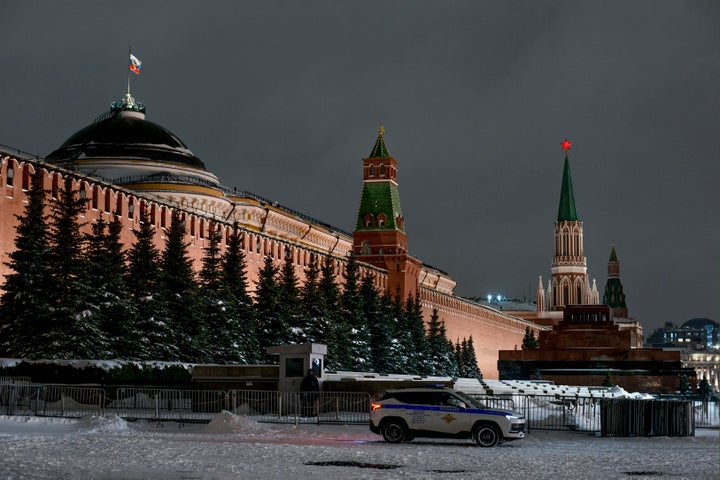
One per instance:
[(446, 409)]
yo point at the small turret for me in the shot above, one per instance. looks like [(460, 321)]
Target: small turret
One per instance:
[(614, 295)]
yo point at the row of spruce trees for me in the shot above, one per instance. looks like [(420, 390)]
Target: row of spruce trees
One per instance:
[(75, 295)]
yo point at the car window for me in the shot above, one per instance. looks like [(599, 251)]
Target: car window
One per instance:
[(469, 401)]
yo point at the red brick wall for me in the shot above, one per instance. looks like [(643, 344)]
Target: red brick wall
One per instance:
[(491, 330)]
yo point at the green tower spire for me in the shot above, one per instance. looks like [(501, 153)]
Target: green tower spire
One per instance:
[(613, 255), (380, 200), (614, 294), (566, 210), (379, 149)]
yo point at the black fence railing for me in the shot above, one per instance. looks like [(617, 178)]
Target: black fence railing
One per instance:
[(624, 417)]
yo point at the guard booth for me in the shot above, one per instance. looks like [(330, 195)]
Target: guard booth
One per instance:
[(295, 361)]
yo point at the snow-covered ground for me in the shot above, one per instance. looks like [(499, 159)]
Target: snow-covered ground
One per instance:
[(234, 447)]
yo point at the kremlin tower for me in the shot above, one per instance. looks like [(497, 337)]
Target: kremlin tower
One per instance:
[(379, 238), (569, 284), (614, 296)]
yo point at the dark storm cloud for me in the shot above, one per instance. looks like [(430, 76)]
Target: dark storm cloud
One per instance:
[(285, 98)]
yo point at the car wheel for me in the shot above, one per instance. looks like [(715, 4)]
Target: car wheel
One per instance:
[(393, 431), (486, 435)]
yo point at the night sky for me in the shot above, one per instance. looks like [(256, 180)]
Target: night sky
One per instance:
[(285, 98)]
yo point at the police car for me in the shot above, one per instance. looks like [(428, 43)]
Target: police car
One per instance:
[(401, 415)]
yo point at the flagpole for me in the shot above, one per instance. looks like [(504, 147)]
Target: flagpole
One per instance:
[(128, 70)]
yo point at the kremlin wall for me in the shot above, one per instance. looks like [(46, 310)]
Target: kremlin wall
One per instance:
[(124, 164)]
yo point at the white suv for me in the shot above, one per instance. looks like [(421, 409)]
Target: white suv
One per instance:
[(401, 415)]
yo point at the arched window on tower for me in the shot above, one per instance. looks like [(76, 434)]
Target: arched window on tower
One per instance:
[(371, 171), (557, 245), (366, 248), (382, 170), (381, 219), (368, 219), (566, 246)]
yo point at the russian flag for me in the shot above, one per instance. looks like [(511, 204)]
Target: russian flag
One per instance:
[(135, 64)]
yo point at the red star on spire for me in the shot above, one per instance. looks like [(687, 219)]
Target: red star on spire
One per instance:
[(566, 145)]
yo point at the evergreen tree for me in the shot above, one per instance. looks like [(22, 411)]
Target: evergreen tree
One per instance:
[(403, 349), (24, 311), (684, 387), (440, 354), (218, 339), (289, 304), (419, 356), (704, 388), (180, 295), (153, 337), (239, 305), (342, 326), (385, 347), (108, 270), (462, 369), (472, 362), (330, 312), (311, 302), (74, 331), (211, 271), (143, 259), (364, 331), (529, 340), (271, 328)]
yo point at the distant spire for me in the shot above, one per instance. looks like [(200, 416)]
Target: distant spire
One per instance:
[(540, 296), (379, 149), (614, 293), (613, 255), (566, 210)]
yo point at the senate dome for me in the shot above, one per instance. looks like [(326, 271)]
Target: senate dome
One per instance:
[(123, 148)]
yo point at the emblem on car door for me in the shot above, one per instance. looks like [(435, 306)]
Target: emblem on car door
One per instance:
[(448, 418)]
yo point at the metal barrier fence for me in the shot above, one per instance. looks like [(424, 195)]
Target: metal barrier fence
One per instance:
[(629, 418), (556, 412), (290, 407), (550, 412), (706, 413), (168, 404), (15, 380), (542, 412), (51, 400)]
